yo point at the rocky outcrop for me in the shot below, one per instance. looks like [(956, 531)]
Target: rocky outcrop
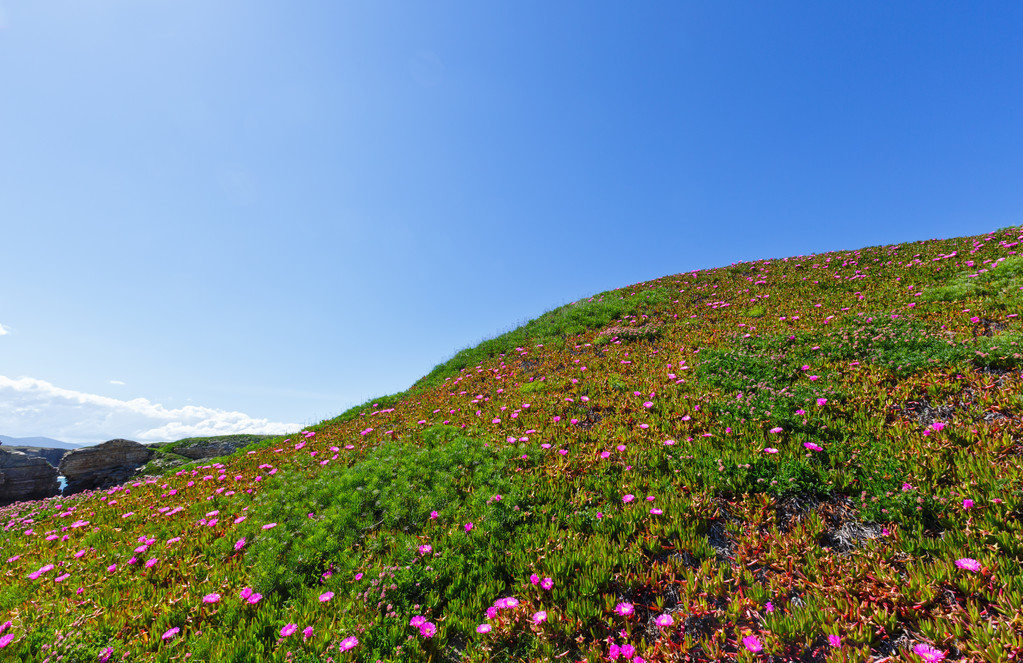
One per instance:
[(24, 477), (52, 456), (210, 448), (103, 465)]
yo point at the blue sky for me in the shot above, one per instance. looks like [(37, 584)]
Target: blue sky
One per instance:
[(240, 216)]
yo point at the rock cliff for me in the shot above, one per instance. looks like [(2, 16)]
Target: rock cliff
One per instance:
[(24, 477), (103, 465)]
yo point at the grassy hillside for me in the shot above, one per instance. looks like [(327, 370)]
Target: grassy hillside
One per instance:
[(815, 458)]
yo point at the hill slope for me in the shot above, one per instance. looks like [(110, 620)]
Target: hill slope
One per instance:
[(813, 458)]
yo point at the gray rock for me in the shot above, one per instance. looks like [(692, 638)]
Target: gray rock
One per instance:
[(52, 456), (24, 477), (210, 448), (103, 465)]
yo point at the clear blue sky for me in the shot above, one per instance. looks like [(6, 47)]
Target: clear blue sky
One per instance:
[(270, 211)]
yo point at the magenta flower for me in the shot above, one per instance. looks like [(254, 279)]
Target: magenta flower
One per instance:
[(752, 643), (468, 527), (770, 450), (245, 593), (433, 516), (821, 401), (928, 653), (547, 583), (425, 549), (628, 498), (535, 579), (539, 617), (150, 563), (326, 596), (170, 633), (624, 609), (483, 628), (111, 568), (428, 630), (664, 620), (417, 621), (969, 564), (6, 640), (627, 651), (812, 447), (777, 430), (105, 654), (835, 640), (270, 526), (648, 404), (254, 598), (211, 598), (656, 511), (967, 504), (239, 544), (348, 643), (307, 632), (288, 630)]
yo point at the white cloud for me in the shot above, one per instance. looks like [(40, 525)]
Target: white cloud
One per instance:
[(117, 382), (35, 407), (4, 331)]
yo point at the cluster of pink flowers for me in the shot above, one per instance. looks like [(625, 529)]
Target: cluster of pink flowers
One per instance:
[(426, 629)]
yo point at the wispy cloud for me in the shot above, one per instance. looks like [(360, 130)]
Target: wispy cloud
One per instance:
[(4, 331), (35, 407), (117, 382)]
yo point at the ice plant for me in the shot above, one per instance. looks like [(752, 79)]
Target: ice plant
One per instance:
[(969, 564), (211, 598), (539, 617), (170, 633), (348, 643), (664, 619), (624, 609), (752, 643), (288, 630), (928, 653), (483, 628)]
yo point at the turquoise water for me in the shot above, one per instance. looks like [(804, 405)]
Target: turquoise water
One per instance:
[(62, 481)]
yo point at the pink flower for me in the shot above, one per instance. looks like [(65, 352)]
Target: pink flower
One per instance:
[(245, 593), (6, 640), (239, 544), (428, 630), (211, 598), (628, 651), (254, 599), (835, 640), (664, 620), (770, 450), (967, 504), (150, 563), (752, 643), (288, 630), (928, 653), (170, 633), (812, 447), (628, 498), (348, 643), (425, 549), (547, 583), (417, 621), (648, 404), (821, 401), (969, 564), (270, 526), (111, 568), (539, 617), (468, 527), (326, 596), (656, 511), (307, 632), (937, 426), (624, 609), (483, 628), (105, 654), (535, 579), (434, 515), (777, 430)]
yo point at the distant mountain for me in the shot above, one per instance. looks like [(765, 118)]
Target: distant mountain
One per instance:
[(44, 442)]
